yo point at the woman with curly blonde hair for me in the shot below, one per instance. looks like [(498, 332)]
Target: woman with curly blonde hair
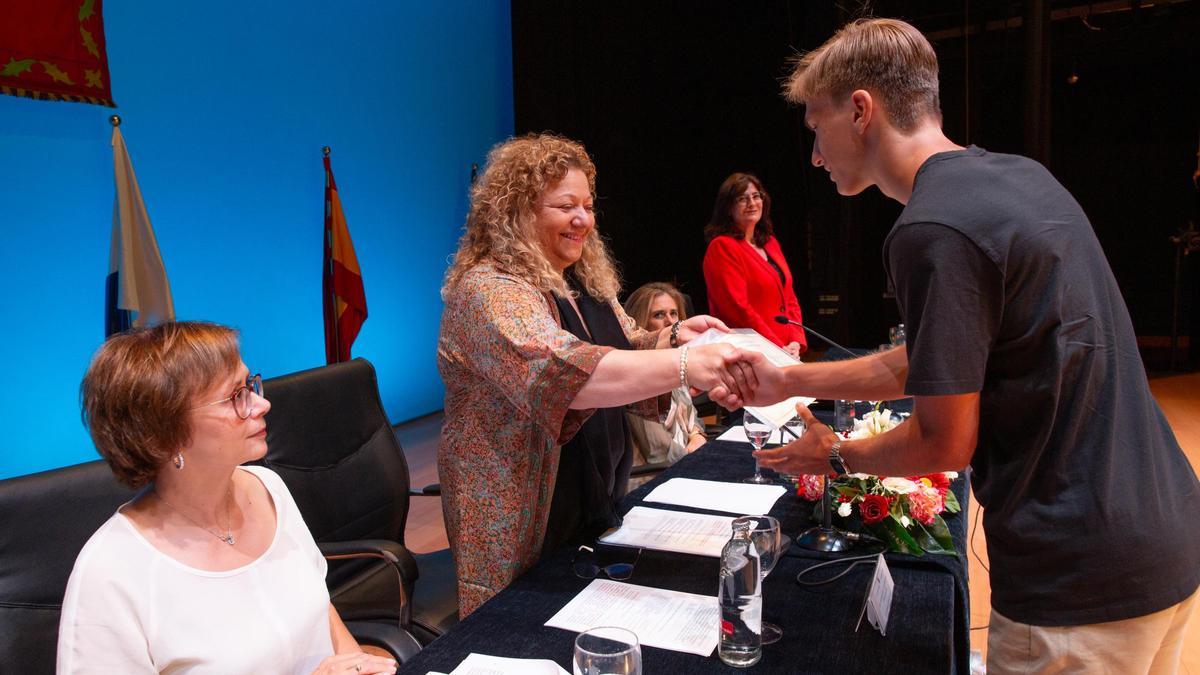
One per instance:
[(539, 359)]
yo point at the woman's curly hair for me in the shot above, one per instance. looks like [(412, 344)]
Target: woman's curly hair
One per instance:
[(500, 223)]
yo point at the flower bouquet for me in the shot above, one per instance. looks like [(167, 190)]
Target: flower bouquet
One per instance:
[(904, 513)]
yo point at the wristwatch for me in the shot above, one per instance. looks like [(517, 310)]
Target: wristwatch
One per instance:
[(835, 459)]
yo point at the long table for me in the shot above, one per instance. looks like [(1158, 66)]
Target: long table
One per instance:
[(928, 629)]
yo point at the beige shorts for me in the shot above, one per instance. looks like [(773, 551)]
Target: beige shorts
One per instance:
[(1145, 644)]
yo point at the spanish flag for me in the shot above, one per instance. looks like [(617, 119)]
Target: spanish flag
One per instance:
[(136, 290), (344, 300)]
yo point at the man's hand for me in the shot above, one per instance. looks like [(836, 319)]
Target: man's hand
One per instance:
[(808, 455)]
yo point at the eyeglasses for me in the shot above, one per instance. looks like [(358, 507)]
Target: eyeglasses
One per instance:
[(243, 402), (586, 568), (745, 199)]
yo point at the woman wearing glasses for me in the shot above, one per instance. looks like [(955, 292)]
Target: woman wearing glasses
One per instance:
[(539, 360), (748, 281), (210, 567)]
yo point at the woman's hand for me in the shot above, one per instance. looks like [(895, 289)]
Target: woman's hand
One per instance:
[(793, 348), (695, 442), (691, 329), (720, 366), (355, 663)]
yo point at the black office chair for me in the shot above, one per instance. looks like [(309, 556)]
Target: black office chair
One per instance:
[(330, 440), (47, 518)]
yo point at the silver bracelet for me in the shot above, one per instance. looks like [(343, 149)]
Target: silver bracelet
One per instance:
[(683, 367)]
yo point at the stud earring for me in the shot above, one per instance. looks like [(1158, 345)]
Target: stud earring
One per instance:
[(179, 460)]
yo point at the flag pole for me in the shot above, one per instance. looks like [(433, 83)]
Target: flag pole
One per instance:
[(337, 338)]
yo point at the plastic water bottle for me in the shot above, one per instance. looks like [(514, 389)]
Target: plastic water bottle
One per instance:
[(740, 593)]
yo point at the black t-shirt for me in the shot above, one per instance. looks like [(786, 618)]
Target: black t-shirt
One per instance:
[(1091, 506)]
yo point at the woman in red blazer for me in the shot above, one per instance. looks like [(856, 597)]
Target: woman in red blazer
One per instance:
[(749, 282)]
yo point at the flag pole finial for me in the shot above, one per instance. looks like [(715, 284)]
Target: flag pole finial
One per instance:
[(115, 120), (324, 150)]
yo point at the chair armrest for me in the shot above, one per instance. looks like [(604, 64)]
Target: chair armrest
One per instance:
[(649, 469), (712, 431), (401, 561), (384, 549), (395, 640), (431, 490)]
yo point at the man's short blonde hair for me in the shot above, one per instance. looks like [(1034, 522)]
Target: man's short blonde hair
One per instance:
[(887, 57)]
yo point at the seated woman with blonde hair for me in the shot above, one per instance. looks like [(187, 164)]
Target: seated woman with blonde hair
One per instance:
[(210, 568), (656, 306)]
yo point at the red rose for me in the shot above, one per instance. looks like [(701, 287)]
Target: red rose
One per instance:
[(874, 508)]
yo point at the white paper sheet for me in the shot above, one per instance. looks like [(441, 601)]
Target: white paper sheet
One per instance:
[(681, 622), (744, 499), (738, 435), (482, 664), (676, 531), (749, 339)]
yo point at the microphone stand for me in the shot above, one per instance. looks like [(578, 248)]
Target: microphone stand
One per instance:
[(824, 537), (784, 320)]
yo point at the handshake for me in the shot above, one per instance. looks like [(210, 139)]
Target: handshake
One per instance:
[(734, 377)]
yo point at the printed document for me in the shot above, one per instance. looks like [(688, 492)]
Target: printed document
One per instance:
[(681, 622), (482, 664), (676, 531)]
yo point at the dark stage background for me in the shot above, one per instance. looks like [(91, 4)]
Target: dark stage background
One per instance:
[(670, 97)]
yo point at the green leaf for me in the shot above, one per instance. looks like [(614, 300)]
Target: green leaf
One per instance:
[(952, 504), (935, 537), (897, 538), (15, 67)]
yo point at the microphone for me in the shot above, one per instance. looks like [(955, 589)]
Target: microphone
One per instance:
[(781, 319)]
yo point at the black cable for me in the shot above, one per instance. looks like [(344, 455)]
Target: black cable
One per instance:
[(974, 526), (854, 562)]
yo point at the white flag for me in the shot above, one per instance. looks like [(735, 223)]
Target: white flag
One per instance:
[(138, 292)]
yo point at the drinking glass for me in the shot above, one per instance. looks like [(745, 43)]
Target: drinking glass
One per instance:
[(768, 541), (793, 430), (757, 431), (843, 416), (607, 650)]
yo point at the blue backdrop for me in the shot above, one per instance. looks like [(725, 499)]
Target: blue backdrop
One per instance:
[(225, 107)]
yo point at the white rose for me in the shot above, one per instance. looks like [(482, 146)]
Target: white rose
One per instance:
[(905, 521), (899, 485), (951, 475), (844, 509)]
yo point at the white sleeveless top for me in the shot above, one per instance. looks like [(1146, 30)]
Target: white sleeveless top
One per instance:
[(130, 608)]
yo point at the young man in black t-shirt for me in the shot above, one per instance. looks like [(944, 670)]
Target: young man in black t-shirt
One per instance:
[(1022, 361)]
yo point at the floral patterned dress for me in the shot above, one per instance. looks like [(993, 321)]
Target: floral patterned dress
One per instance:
[(510, 373)]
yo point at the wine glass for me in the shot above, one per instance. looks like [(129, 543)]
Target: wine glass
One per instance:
[(793, 428), (757, 431), (607, 650), (768, 541)]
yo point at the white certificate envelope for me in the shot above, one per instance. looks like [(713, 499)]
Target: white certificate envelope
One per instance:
[(776, 414)]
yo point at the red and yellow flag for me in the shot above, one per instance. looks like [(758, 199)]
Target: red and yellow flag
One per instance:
[(54, 50), (344, 300)]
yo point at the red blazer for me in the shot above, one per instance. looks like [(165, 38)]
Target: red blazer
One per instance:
[(744, 290)]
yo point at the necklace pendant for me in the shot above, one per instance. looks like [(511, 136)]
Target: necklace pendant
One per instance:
[(228, 539)]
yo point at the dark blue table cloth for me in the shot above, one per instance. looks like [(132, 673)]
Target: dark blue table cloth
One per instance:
[(928, 629)]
